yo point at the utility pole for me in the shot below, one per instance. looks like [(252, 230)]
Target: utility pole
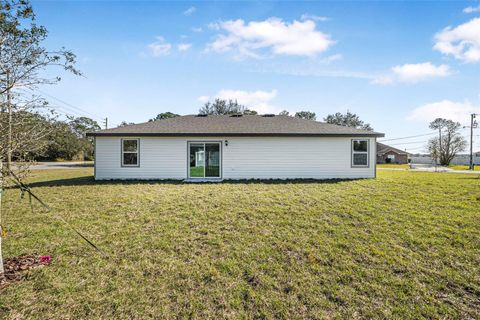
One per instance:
[(472, 125), (105, 122)]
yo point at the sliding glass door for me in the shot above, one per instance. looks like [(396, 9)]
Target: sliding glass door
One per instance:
[(204, 160)]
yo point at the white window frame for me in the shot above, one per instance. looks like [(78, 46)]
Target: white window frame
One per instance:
[(124, 152), (353, 152)]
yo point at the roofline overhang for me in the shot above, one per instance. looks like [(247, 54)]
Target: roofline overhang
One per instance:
[(145, 134)]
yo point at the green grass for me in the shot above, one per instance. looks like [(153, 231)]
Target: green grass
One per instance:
[(197, 171), (393, 165), (477, 168), (405, 245)]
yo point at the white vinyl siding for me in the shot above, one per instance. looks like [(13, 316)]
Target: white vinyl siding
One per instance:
[(242, 158)]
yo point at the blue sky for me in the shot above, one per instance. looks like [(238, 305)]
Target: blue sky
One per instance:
[(396, 64)]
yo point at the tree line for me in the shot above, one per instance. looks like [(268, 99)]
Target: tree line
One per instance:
[(442, 149), (228, 107), (40, 137), (28, 127)]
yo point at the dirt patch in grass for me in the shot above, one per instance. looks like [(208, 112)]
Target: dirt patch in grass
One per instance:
[(16, 267)]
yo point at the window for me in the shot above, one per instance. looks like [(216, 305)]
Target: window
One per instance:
[(130, 152), (360, 153), (390, 158)]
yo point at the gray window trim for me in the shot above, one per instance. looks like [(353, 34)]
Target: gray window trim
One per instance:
[(352, 152), (122, 152)]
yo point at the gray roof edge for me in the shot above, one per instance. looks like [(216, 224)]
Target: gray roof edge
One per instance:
[(387, 148), (211, 134)]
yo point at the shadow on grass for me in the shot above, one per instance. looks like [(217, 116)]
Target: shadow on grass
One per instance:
[(61, 165), (470, 177), (78, 165), (89, 180)]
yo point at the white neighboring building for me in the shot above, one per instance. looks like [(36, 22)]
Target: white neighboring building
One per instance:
[(198, 147), (460, 159)]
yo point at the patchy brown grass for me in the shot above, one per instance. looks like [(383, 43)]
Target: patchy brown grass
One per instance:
[(404, 245)]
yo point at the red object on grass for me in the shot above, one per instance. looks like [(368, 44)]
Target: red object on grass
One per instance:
[(45, 259)]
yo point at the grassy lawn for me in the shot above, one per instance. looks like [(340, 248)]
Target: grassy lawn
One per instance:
[(197, 171), (477, 168), (393, 165), (405, 245)]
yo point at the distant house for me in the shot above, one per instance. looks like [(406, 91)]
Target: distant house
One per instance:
[(387, 154), (216, 147)]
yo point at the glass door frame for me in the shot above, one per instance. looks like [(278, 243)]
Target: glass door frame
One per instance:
[(220, 145)]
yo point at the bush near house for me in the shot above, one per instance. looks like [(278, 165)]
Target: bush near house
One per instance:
[(404, 245)]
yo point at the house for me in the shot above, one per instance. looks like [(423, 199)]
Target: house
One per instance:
[(215, 147), (387, 154)]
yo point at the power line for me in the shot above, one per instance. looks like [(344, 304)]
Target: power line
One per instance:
[(402, 138), (69, 109), (70, 105), (64, 110), (411, 142)]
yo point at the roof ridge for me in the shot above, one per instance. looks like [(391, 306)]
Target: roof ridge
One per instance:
[(218, 125)]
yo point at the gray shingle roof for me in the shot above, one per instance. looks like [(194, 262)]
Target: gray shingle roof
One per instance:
[(383, 148), (224, 125)]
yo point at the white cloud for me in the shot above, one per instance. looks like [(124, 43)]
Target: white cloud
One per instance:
[(197, 29), (462, 42), (383, 80), (184, 46), (160, 47), (259, 100), (307, 16), (252, 39), (203, 99), (471, 9), (456, 111), (214, 26), (332, 58), (413, 72), (189, 11)]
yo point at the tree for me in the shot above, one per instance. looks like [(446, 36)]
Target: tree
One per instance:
[(449, 142), (68, 140), (284, 113), (22, 59), (29, 134), (437, 124), (80, 126), (125, 123), (164, 115), (249, 112), (348, 120), (308, 115), (220, 106), (64, 143)]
